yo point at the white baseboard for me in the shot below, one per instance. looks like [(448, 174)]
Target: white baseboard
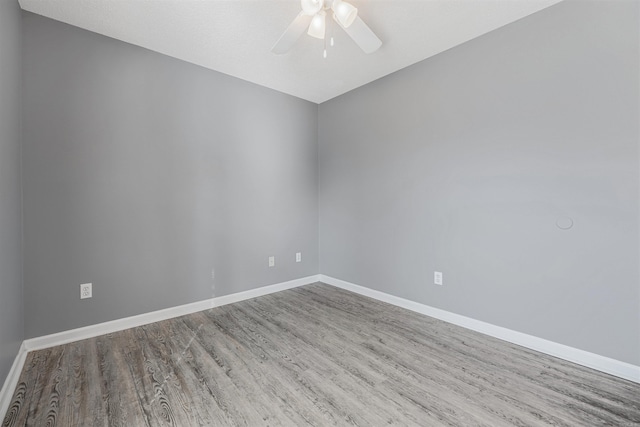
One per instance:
[(156, 316), (595, 361), (10, 383), (591, 360)]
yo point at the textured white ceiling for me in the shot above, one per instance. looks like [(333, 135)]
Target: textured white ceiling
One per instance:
[(235, 36)]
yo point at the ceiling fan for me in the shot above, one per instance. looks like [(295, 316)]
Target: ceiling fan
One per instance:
[(313, 19)]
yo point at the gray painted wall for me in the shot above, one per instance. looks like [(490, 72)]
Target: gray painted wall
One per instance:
[(464, 162), (142, 173), (11, 326)]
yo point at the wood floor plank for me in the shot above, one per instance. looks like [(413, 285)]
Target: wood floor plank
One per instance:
[(314, 355), (377, 362), (227, 369)]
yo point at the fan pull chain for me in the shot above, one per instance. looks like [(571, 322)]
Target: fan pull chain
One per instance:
[(330, 31), (331, 27), (324, 53)]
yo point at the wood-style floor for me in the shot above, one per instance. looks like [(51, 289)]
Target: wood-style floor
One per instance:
[(314, 355)]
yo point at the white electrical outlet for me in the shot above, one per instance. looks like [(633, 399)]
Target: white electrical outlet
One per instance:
[(437, 278), (298, 256), (85, 291), (272, 261)]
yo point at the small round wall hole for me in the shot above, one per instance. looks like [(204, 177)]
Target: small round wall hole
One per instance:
[(564, 223)]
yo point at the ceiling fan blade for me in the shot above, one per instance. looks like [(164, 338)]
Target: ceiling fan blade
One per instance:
[(362, 35), (292, 34)]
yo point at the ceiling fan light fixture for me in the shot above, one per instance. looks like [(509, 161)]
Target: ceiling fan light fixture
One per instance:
[(311, 7), (312, 19), (345, 12), (318, 25)]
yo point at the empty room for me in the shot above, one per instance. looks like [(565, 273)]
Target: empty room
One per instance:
[(320, 212)]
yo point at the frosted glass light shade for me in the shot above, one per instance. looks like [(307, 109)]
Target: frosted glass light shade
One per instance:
[(311, 7), (318, 26), (345, 13)]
